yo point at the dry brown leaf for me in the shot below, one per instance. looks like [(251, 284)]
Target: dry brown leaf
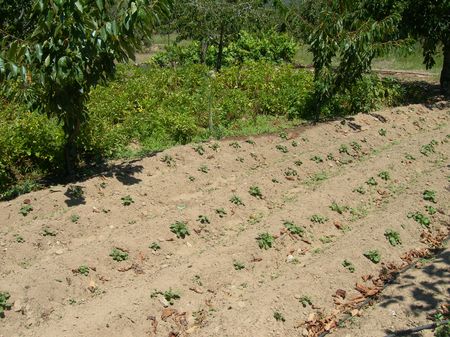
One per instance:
[(341, 293), (166, 313)]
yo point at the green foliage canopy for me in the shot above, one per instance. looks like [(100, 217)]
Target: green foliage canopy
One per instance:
[(73, 47)]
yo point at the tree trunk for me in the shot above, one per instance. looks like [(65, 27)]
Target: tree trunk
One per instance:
[(203, 51), (220, 51), (71, 130), (445, 74)]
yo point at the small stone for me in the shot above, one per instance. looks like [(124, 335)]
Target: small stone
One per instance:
[(18, 306), (59, 252), (290, 258)]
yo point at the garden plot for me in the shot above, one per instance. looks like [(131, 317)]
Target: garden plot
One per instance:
[(278, 235)]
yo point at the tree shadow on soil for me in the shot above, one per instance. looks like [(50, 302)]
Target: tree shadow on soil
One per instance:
[(427, 290)]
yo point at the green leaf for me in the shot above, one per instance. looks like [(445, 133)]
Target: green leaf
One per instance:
[(47, 61), (39, 52), (100, 4), (79, 6)]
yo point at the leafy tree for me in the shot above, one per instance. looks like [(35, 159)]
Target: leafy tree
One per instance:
[(429, 22), (218, 22), (344, 36), (72, 47)]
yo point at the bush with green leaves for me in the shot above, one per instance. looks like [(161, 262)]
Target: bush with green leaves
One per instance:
[(268, 46)]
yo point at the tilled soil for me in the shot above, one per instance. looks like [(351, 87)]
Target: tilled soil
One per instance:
[(227, 284)]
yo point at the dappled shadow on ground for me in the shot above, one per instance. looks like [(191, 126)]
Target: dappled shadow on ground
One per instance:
[(425, 289), (125, 172), (421, 92)]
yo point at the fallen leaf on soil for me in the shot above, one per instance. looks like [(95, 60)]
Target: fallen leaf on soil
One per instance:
[(366, 277), (355, 312), (166, 313), (92, 286), (341, 293), (174, 334), (104, 278), (196, 290), (154, 323), (27, 201)]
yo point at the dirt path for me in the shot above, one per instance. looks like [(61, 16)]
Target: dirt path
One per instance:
[(228, 286)]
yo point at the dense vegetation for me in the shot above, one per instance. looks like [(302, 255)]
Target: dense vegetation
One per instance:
[(64, 103)]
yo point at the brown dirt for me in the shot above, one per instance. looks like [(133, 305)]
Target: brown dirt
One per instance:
[(217, 300)]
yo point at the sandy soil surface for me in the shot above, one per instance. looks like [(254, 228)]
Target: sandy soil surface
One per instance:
[(55, 261)]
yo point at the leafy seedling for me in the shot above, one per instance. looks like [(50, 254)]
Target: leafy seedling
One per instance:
[(360, 190), (371, 181), (83, 270), (282, 148), (428, 149), (255, 192), (19, 238), (74, 217), (103, 185), (355, 146), (294, 143), (409, 157), (250, 141), (283, 135), (429, 195), (48, 232), (75, 192), (423, 220), (305, 301), (317, 159), (337, 208), (384, 175), (298, 163), (275, 181), (265, 240), (127, 200), (203, 169), (236, 200), (330, 156), (168, 160), (350, 267), (317, 218), (118, 254), (382, 132), (169, 295), (191, 178), (240, 159), (203, 219), (235, 145), (430, 209), (326, 239), (393, 237), (180, 229), (293, 229), (290, 172), (238, 265), (155, 246), (373, 255), (199, 149), (343, 149), (279, 317), (4, 304), (221, 212), (25, 210), (214, 146)]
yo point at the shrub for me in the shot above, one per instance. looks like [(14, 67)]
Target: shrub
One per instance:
[(269, 46)]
